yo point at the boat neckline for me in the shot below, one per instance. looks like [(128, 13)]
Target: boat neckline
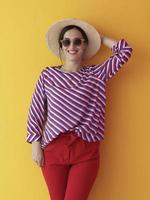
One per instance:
[(59, 66)]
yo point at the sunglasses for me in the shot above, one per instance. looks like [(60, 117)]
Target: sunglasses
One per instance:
[(77, 41)]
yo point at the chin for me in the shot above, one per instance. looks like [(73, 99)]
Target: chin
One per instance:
[(74, 57)]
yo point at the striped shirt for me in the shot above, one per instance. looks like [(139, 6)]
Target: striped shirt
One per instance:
[(64, 101)]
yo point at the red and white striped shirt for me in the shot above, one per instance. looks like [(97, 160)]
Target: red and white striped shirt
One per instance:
[(64, 101)]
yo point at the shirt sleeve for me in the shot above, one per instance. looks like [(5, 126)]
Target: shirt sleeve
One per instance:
[(121, 52), (37, 112)]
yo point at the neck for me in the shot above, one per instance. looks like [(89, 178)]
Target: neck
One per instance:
[(72, 66)]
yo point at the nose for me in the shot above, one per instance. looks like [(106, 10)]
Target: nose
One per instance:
[(71, 46)]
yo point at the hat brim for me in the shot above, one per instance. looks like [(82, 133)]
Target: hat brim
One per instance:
[(94, 39)]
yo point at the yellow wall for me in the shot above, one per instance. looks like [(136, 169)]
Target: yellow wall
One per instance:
[(125, 163)]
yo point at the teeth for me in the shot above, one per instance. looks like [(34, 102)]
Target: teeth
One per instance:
[(72, 52)]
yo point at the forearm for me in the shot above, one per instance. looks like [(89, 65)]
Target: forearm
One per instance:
[(36, 143), (108, 41), (121, 52)]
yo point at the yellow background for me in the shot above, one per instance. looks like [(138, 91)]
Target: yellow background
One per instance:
[(125, 160)]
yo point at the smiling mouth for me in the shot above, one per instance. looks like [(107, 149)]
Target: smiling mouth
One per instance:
[(73, 52)]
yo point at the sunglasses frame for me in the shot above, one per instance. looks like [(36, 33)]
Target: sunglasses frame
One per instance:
[(70, 41)]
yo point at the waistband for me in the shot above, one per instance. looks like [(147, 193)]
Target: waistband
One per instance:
[(68, 133)]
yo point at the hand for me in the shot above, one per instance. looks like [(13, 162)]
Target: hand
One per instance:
[(37, 153), (102, 37)]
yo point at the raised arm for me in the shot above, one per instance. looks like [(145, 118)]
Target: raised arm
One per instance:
[(121, 52), (108, 41), (37, 112)]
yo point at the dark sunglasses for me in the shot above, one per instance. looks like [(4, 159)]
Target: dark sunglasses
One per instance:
[(77, 41)]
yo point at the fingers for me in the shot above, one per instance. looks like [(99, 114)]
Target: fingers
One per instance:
[(39, 160), (102, 37), (40, 163), (37, 155)]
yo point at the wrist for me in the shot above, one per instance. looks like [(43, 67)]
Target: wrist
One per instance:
[(36, 142)]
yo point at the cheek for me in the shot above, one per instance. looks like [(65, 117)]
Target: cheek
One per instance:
[(82, 50), (64, 51)]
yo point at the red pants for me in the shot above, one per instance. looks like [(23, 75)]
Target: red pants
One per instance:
[(71, 166)]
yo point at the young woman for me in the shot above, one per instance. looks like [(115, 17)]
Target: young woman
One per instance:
[(67, 113)]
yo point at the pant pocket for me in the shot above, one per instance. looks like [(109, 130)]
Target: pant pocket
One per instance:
[(91, 149)]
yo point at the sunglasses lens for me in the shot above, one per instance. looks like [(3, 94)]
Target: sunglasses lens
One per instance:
[(66, 42), (77, 42)]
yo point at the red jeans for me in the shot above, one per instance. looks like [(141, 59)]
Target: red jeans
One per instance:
[(71, 166)]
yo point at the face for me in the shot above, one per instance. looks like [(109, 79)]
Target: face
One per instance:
[(74, 52)]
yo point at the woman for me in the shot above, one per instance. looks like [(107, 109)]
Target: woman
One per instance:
[(67, 114)]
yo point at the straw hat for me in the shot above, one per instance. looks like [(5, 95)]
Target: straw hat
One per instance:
[(52, 36)]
